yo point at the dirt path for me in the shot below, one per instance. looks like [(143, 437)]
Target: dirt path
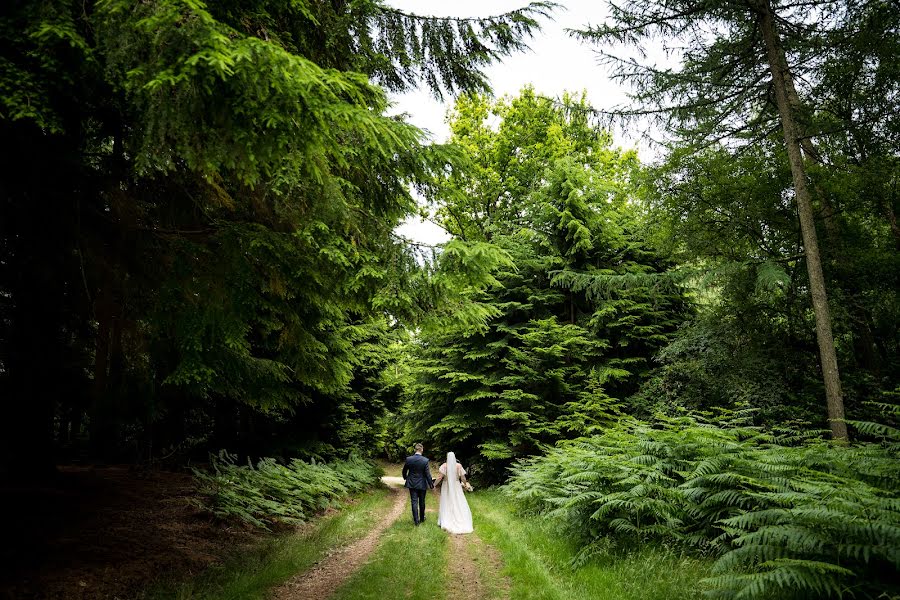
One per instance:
[(476, 567), (463, 570), (322, 580), (474, 564)]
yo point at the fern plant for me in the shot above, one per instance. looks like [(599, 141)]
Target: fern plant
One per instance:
[(788, 515), (268, 492)]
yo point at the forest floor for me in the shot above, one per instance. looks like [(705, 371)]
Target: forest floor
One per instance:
[(102, 532)]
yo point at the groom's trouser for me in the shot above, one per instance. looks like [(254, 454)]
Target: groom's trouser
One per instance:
[(417, 499)]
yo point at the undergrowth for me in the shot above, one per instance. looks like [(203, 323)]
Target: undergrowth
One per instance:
[(251, 573), (540, 560), (269, 492), (786, 516)]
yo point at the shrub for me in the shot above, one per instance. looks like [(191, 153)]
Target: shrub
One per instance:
[(788, 516), (269, 492)]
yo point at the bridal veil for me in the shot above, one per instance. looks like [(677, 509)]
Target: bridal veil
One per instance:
[(454, 514)]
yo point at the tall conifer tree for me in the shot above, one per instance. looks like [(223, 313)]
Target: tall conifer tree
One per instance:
[(737, 81), (558, 358), (199, 201)]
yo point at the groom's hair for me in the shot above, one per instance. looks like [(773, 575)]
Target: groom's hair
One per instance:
[(419, 447)]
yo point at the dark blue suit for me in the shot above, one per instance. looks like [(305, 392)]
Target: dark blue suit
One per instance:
[(418, 479)]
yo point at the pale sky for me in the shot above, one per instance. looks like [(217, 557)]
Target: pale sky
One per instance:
[(556, 63)]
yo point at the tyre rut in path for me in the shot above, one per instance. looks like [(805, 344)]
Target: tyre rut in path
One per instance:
[(334, 569), (474, 567), (463, 571)]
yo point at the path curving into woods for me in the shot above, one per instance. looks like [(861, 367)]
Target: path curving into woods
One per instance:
[(475, 565)]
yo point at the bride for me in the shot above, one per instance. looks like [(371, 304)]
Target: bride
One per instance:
[(454, 514)]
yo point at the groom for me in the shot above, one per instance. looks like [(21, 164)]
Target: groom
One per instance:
[(418, 480)]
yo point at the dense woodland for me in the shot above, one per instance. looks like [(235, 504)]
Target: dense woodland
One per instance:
[(198, 253)]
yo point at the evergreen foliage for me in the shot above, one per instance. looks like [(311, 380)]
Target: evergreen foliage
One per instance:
[(555, 359), (213, 258), (726, 219), (743, 73), (444, 53), (787, 515), (268, 492)]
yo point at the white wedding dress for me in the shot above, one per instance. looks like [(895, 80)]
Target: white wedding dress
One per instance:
[(454, 514)]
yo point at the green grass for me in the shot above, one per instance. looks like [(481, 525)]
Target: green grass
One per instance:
[(252, 574), (537, 561), (494, 585), (409, 563), (390, 469)]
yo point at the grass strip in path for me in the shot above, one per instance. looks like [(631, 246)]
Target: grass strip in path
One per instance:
[(252, 574), (409, 564), (476, 567), (538, 559)]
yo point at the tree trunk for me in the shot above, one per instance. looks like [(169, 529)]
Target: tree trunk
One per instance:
[(571, 308), (783, 85), (74, 423), (35, 213), (34, 371), (891, 218), (224, 424), (864, 345), (101, 353), (101, 436)]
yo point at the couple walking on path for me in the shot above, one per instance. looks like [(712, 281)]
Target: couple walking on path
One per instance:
[(454, 515)]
